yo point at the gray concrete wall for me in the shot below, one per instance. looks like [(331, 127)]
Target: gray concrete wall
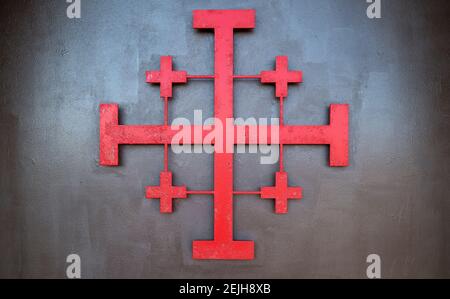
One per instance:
[(393, 200)]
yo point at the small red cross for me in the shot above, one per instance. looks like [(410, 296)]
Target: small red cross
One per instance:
[(166, 77), (281, 193), (166, 192), (281, 76)]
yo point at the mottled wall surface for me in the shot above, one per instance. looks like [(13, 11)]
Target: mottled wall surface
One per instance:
[(393, 200)]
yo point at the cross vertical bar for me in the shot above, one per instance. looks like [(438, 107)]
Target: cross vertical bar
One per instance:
[(166, 124), (223, 22), (281, 125), (223, 109)]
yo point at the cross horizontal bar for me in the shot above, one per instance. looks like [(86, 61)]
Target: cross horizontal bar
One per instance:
[(335, 134), (202, 192), (189, 192), (211, 77), (200, 76)]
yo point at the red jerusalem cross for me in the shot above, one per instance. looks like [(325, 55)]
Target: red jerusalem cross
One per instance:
[(224, 246)]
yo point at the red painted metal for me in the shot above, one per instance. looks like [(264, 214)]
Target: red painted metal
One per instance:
[(281, 193), (335, 135), (281, 77), (166, 77), (166, 192), (224, 23), (223, 246)]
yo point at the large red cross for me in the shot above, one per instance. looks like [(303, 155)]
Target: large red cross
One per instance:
[(335, 134)]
